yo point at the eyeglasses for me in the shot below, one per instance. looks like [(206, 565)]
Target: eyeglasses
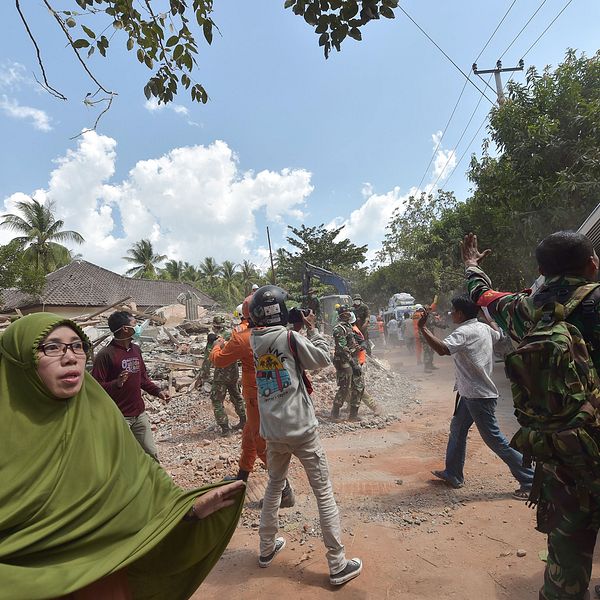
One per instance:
[(60, 349)]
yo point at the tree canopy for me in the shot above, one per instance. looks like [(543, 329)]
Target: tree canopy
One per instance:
[(166, 36), (144, 259)]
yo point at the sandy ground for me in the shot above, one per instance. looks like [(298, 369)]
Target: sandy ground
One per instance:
[(418, 538)]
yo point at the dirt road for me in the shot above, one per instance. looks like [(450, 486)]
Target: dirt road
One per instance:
[(418, 538)]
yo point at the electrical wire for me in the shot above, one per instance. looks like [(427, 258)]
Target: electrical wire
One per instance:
[(523, 28), (550, 25), (461, 95), (446, 55)]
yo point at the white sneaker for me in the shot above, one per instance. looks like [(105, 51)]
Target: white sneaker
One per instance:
[(265, 561), (352, 570)]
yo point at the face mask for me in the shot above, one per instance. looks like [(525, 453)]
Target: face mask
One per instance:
[(352, 318), (357, 303), (137, 332)]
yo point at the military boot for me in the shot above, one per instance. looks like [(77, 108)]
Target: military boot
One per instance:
[(335, 412), (225, 430), (241, 424), (354, 414)]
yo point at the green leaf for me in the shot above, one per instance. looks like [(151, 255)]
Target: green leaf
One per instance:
[(355, 34), (130, 44), (388, 13), (70, 22), (172, 41), (91, 51), (140, 55), (81, 43), (177, 52), (323, 39), (147, 91), (148, 61), (289, 3), (88, 32), (118, 24), (207, 30)]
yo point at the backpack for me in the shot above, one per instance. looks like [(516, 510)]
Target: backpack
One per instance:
[(555, 390)]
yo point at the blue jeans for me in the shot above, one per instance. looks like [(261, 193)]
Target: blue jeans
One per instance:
[(481, 411)]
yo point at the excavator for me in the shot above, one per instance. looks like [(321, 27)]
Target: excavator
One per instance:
[(329, 302)]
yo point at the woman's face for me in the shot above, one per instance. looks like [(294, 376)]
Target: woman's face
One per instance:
[(62, 374)]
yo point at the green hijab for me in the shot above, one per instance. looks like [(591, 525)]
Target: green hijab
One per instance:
[(80, 499)]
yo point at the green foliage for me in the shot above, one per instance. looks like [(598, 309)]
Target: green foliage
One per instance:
[(335, 20), (17, 271), (165, 36), (544, 177), (318, 246), (145, 261), (42, 236)]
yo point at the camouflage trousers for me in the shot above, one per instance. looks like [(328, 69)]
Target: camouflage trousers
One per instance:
[(571, 520), (351, 387), (427, 356), (217, 397)]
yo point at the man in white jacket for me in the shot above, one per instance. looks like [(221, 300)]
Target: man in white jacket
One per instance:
[(289, 425)]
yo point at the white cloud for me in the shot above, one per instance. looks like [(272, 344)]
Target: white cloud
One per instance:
[(152, 105), (191, 202), (12, 108), (12, 74)]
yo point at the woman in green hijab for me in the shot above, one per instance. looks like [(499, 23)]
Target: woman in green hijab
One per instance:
[(83, 510)]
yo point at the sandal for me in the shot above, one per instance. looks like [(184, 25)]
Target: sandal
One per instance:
[(521, 494)]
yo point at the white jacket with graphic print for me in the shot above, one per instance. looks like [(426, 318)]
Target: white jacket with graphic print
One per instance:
[(286, 410)]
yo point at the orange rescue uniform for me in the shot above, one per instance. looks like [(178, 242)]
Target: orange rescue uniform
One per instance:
[(238, 348)]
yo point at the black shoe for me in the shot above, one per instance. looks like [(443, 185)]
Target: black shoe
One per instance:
[(265, 561), (352, 570), (225, 431), (240, 425), (353, 416)]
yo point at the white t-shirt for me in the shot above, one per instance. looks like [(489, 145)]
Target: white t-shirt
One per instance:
[(471, 345)]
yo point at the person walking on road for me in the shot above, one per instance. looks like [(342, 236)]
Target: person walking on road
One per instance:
[(119, 368), (471, 345), (289, 424)]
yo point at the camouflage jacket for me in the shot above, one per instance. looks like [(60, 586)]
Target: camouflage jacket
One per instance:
[(345, 342), (228, 374), (514, 313), (362, 314)]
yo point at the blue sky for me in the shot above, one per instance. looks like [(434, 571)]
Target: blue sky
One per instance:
[(286, 138)]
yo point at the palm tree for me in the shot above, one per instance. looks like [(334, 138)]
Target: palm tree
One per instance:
[(42, 235), (173, 270), (190, 273), (248, 274), (228, 277), (209, 270), (145, 261)]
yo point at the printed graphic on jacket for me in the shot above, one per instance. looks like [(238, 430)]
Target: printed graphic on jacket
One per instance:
[(271, 376)]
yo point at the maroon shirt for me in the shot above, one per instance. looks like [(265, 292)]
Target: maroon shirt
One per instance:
[(110, 362)]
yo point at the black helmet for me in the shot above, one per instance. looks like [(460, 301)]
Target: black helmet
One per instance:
[(267, 306), (343, 308)]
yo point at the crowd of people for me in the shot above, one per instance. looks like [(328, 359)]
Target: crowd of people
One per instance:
[(87, 508)]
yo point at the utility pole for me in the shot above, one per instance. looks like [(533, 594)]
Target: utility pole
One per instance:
[(271, 255), (499, 69)]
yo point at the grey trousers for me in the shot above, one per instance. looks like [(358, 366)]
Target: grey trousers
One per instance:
[(142, 431), (310, 453)]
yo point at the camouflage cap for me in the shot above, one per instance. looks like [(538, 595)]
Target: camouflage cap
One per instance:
[(343, 308), (218, 320), (357, 297)]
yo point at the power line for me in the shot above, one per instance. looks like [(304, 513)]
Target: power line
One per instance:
[(509, 80), (461, 94), (523, 28), (453, 152), (446, 55), (550, 25)]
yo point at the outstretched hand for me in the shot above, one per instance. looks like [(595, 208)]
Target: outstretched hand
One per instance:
[(470, 253), (216, 499)]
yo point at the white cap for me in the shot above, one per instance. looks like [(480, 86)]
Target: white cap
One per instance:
[(254, 287)]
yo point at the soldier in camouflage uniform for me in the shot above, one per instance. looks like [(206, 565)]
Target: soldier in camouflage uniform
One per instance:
[(569, 499), (224, 380), (361, 310), (349, 374)]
